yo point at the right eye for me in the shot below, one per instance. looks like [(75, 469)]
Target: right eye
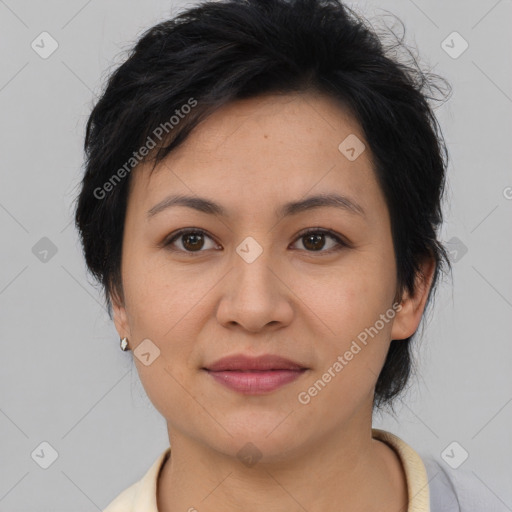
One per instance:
[(190, 239)]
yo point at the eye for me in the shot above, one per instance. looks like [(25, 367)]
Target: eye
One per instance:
[(193, 240), (314, 240)]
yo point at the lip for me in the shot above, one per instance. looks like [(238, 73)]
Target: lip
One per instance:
[(242, 362), (254, 375)]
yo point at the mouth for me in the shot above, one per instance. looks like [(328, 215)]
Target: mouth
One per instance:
[(255, 375)]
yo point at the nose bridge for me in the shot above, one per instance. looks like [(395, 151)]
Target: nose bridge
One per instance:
[(253, 263), (255, 296)]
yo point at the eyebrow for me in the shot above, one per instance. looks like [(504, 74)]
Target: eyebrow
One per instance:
[(204, 205)]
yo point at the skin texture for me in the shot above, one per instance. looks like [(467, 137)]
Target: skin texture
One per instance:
[(296, 300)]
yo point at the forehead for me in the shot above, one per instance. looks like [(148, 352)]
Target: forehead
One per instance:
[(280, 146)]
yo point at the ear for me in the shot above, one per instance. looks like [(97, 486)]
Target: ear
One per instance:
[(120, 316), (408, 318)]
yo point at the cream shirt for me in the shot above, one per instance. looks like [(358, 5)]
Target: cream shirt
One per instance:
[(431, 488)]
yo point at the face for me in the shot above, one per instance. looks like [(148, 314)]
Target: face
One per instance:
[(313, 285)]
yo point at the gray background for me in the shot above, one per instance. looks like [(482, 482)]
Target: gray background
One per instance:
[(63, 378)]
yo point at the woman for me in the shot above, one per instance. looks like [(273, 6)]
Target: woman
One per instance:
[(261, 203)]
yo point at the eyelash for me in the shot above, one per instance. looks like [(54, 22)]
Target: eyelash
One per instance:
[(341, 243)]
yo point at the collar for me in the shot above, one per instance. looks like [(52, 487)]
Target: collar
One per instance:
[(415, 471)]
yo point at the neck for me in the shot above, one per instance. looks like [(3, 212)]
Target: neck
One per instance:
[(341, 473)]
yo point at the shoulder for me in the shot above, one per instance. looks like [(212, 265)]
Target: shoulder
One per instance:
[(458, 490), (142, 495), (449, 490)]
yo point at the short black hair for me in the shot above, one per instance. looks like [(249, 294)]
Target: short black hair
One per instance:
[(183, 69)]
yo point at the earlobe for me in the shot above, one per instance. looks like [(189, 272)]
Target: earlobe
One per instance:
[(407, 320)]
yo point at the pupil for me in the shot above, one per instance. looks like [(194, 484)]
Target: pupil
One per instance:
[(196, 241), (313, 238)]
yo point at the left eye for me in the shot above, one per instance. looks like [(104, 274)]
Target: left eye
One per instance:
[(192, 240), (314, 237)]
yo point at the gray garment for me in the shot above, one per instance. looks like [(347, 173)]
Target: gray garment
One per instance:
[(459, 490)]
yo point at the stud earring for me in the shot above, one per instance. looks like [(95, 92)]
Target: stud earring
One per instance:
[(124, 344)]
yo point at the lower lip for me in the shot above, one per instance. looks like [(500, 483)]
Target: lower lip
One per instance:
[(256, 383)]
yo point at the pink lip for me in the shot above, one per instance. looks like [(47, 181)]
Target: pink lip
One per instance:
[(254, 375), (254, 382), (242, 362)]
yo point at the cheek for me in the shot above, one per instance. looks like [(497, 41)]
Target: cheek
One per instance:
[(161, 296), (162, 310), (348, 312), (348, 299)]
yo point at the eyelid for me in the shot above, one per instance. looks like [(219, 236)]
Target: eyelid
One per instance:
[(326, 231)]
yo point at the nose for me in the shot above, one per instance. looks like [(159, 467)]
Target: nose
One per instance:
[(256, 296)]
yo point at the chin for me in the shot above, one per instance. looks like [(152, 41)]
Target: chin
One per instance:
[(260, 434)]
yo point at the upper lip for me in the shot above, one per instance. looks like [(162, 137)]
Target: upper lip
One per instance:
[(244, 362)]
